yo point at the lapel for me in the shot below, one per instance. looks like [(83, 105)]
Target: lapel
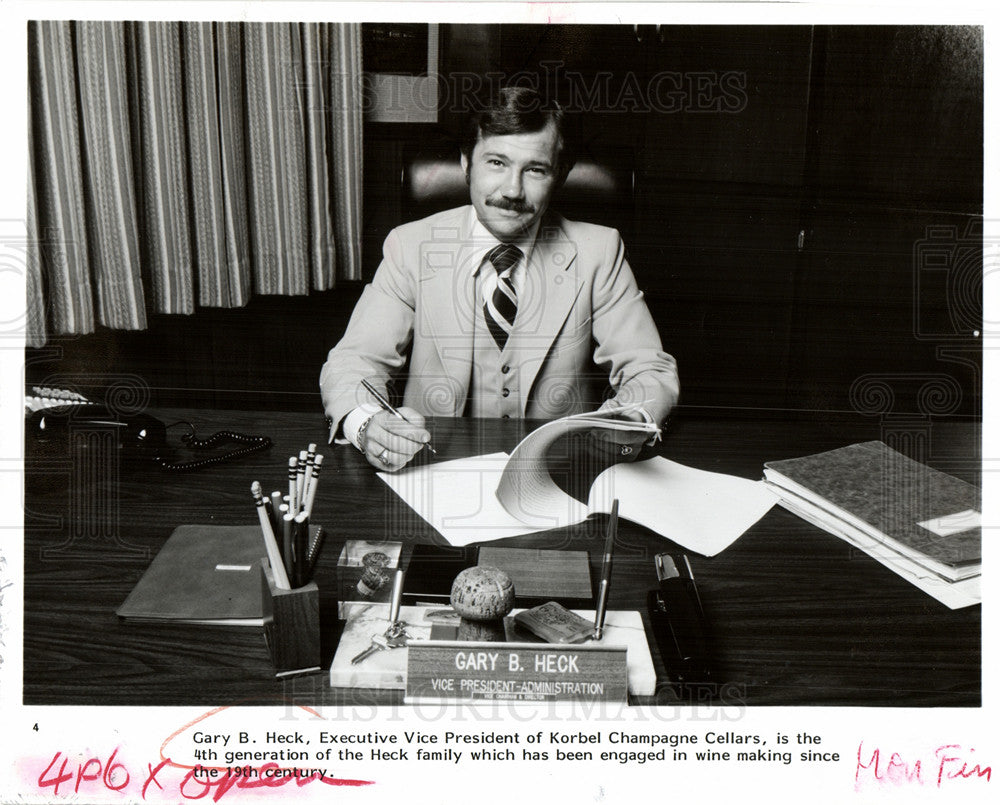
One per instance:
[(447, 295), (448, 286), (551, 287)]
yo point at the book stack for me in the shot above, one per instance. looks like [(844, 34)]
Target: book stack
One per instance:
[(923, 524)]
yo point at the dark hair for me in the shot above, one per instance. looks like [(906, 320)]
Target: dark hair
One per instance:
[(519, 110)]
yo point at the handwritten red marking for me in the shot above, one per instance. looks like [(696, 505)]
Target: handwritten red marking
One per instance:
[(109, 773), (952, 761), (62, 777), (152, 776), (114, 776), (895, 770), (262, 779), (964, 772)]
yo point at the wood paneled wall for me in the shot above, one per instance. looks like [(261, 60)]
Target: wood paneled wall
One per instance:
[(807, 218)]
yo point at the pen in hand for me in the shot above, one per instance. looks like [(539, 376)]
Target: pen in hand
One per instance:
[(387, 406)]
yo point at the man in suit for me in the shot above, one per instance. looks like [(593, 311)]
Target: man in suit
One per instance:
[(504, 309)]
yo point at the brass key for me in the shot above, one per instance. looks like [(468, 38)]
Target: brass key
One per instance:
[(380, 642)]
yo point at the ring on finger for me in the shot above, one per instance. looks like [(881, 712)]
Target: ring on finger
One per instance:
[(384, 456)]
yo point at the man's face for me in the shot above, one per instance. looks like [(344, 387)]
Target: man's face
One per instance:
[(512, 178)]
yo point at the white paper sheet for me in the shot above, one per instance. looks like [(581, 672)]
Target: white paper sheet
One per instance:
[(953, 595), (701, 511), (526, 488), (458, 498)]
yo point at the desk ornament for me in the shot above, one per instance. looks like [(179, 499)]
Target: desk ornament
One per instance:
[(364, 570), (482, 596), (373, 577)]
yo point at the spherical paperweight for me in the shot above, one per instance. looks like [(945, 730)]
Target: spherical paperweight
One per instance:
[(482, 593)]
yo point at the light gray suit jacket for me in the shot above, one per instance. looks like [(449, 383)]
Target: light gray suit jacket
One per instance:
[(583, 332)]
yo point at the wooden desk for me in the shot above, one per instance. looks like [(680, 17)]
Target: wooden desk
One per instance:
[(800, 618)]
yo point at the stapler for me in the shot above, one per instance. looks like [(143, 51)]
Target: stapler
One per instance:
[(680, 627)]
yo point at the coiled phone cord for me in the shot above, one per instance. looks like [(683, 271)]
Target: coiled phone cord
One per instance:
[(253, 445)]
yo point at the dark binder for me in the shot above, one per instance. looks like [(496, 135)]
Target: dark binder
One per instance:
[(202, 574)]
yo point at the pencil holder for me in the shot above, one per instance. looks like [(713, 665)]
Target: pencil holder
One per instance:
[(291, 625)]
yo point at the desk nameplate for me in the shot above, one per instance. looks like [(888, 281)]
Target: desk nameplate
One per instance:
[(449, 671)]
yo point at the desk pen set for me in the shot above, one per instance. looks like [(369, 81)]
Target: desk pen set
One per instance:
[(290, 598)]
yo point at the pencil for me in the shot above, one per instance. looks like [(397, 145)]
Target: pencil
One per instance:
[(387, 406), (310, 461), (300, 479), (293, 474), (270, 545), (311, 494), (272, 515)]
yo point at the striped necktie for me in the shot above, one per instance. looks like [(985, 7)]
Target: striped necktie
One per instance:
[(500, 306)]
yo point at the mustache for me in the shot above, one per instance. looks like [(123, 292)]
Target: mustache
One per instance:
[(513, 205)]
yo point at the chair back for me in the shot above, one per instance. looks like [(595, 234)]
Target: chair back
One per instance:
[(596, 190)]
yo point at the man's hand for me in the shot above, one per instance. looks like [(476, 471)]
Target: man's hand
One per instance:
[(616, 446), (390, 442)]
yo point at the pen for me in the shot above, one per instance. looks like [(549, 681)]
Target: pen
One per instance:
[(314, 550), (286, 543), (397, 596), (300, 547), (602, 593), (387, 406)]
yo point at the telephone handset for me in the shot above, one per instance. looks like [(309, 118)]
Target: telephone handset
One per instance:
[(136, 433), (138, 436)]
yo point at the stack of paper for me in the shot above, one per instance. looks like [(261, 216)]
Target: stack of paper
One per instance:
[(923, 524), (490, 497)]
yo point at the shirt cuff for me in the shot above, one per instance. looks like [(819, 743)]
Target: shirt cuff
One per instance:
[(352, 423), (612, 405)]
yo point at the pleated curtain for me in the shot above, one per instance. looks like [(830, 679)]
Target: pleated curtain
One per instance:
[(184, 164)]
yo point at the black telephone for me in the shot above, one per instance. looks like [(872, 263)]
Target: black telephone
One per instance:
[(138, 436)]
